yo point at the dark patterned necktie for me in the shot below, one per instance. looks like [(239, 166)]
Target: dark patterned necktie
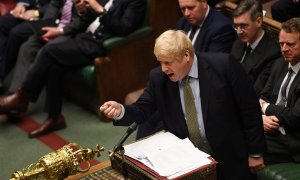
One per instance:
[(191, 113), (283, 100), (193, 32), (246, 53)]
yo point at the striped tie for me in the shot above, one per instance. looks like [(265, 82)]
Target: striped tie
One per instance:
[(66, 14), (283, 100), (191, 113)]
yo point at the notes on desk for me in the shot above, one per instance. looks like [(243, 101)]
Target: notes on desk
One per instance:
[(168, 155)]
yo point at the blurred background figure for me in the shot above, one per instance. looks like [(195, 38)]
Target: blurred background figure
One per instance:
[(283, 10), (14, 30)]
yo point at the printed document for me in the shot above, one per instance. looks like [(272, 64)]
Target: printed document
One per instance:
[(167, 155)]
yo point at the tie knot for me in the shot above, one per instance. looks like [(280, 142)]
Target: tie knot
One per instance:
[(185, 80), (248, 49), (194, 28), (290, 71)]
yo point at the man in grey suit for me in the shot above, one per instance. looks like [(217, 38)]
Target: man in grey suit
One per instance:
[(258, 60), (226, 113), (280, 100)]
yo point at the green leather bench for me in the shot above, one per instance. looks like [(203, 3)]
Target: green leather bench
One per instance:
[(113, 76), (283, 171)]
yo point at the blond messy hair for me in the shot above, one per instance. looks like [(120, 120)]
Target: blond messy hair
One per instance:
[(173, 44)]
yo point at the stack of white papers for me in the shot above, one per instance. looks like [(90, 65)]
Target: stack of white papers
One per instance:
[(167, 155)]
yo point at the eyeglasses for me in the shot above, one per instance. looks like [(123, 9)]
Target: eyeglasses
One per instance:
[(242, 27)]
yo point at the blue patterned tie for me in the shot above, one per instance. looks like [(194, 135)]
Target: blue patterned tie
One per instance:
[(66, 14)]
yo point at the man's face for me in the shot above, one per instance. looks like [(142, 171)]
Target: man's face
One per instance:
[(290, 46), (246, 29), (193, 10), (176, 69)]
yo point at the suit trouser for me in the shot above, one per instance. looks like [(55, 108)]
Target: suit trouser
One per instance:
[(29, 51), (53, 61), (13, 32)]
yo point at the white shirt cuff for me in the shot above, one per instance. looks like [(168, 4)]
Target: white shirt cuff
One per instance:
[(122, 113), (264, 107)]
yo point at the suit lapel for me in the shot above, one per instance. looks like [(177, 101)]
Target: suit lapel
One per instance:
[(256, 55), (278, 83), (173, 96), (294, 84), (204, 82), (203, 32)]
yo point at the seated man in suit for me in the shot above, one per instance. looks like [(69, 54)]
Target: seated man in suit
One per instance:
[(14, 30), (254, 48), (206, 97), (117, 18), (280, 99), (209, 31), (69, 23)]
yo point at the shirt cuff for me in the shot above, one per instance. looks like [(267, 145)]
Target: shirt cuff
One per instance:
[(264, 107), (255, 155), (25, 4), (122, 113)]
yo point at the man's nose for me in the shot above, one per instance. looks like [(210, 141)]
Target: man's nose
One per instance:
[(164, 68), (186, 12), (284, 47)]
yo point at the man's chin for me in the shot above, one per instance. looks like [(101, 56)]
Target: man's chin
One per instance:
[(173, 78)]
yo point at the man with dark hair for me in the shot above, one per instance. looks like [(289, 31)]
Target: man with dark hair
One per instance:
[(280, 99), (254, 48)]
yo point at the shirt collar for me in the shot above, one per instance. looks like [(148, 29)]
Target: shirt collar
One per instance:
[(295, 68), (194, 69), (255, 43)]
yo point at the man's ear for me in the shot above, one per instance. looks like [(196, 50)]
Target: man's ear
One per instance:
[(259, 21), (187, 55)]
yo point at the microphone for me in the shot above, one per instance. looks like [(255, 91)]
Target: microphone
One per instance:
[(129, 131)]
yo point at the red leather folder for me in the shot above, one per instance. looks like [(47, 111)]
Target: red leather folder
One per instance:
[(137, 170)]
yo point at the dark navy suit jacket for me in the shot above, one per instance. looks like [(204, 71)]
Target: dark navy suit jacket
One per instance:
[(231, 112), (216, 35)]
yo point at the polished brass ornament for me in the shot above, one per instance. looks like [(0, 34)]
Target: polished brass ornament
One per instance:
[(60, 164)]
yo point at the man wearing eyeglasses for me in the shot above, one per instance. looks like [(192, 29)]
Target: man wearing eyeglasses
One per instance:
[(280, 100), (254, 48)]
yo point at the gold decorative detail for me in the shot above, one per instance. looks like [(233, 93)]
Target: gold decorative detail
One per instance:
[(59, 164)]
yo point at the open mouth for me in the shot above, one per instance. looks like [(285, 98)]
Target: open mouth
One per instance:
[(171, 75)]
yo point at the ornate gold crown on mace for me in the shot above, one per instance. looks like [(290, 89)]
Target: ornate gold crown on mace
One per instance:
[(59, 164)]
